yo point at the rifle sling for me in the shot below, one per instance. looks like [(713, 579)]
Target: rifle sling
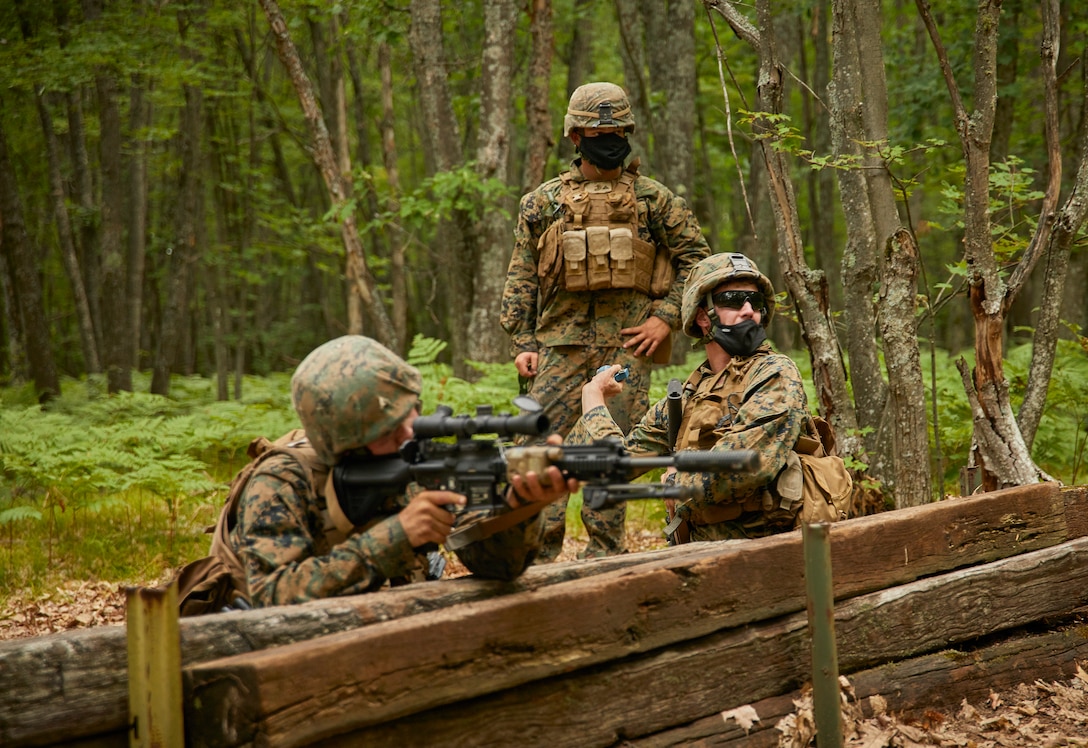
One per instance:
[(462, 536)]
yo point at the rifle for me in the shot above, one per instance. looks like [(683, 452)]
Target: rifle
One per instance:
[(675, 403), (480, 468)]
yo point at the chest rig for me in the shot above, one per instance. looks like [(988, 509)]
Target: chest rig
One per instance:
[(595, 245), (713, 402)]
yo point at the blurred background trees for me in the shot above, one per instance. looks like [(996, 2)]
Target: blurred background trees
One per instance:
[(166, 204)]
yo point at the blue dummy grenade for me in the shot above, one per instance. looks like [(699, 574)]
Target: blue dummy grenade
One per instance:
[(621, 375)]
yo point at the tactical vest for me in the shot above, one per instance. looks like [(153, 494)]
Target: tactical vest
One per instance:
[(219, 579), (596, 244), (711, 403)]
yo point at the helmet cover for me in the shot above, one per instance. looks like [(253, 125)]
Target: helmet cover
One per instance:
[(350, 392), (598, 105), (711, 272)]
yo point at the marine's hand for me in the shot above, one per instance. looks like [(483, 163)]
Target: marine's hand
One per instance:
[(526, 363), (646, 337), (603, 386), (426, 519), (531, 488)]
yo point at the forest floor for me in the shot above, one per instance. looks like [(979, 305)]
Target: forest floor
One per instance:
[(1043, 714)]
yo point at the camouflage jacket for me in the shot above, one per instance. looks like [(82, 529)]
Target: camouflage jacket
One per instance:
[(281, 537), (594, 317), (757, 402)]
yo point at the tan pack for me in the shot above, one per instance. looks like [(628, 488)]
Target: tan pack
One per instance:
[(218, 581), (816, 475), (597, 245)]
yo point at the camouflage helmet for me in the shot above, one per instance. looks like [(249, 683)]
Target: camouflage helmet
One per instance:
[(598, 105), (713, 271), (351, 391)]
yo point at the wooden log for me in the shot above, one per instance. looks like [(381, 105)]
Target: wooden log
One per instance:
[(868, 553), (934, 682), (310, 692)]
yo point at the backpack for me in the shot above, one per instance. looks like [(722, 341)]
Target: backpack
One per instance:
[(218, 581), (815, 474)]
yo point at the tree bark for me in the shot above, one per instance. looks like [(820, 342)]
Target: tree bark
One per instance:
[(113, 310), (486, 338), (397, 256), (455, 247), (21, 258), (325, 160), (859, 114), (68, 254), (821, 182), (184, 255), (907, 397), (632, 28), (579, 66), (139, 120), (537, 117)]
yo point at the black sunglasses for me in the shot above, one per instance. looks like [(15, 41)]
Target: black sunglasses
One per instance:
[(736, 299)]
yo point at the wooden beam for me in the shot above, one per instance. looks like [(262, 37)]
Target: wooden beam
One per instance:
[(308, 692), (71, 685), (693, 682)]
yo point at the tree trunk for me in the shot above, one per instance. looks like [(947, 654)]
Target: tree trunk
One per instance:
[(113, 309), (907, 397), (23, 265), (808, 287), (458, 250), (139, 120), (486, 338), (670, 53), (91, 362), (378, 237), (325, 160), (83, 190), (579, 66), (821, 182), (859, 114), (537, 117), (333, 104), (1057, 238), (397, 261), (632, 50), (189, 237), (998, 442), (12, 356)]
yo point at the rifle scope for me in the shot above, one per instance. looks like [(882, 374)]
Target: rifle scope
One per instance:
[(444, 423)]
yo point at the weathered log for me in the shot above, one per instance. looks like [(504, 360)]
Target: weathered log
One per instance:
[(310, 692), (939, 681), (869, 553)]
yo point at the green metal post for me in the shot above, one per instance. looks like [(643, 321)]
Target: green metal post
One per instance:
[(154, 667), (821, 623)]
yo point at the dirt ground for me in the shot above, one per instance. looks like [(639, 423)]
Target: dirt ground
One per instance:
[(1048, 715)]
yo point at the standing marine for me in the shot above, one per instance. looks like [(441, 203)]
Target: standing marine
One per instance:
[(600, 257)]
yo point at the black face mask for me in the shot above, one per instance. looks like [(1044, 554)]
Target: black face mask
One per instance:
[(741, 339), (605, 151)]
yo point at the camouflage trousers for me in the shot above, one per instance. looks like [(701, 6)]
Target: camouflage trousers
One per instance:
[(562, 371), (756, 524)]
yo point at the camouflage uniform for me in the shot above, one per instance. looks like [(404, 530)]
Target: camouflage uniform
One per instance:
[(348, 393), (575, 332), (757, 402)]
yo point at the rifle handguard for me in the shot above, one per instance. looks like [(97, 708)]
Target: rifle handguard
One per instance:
[(587, 464)]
